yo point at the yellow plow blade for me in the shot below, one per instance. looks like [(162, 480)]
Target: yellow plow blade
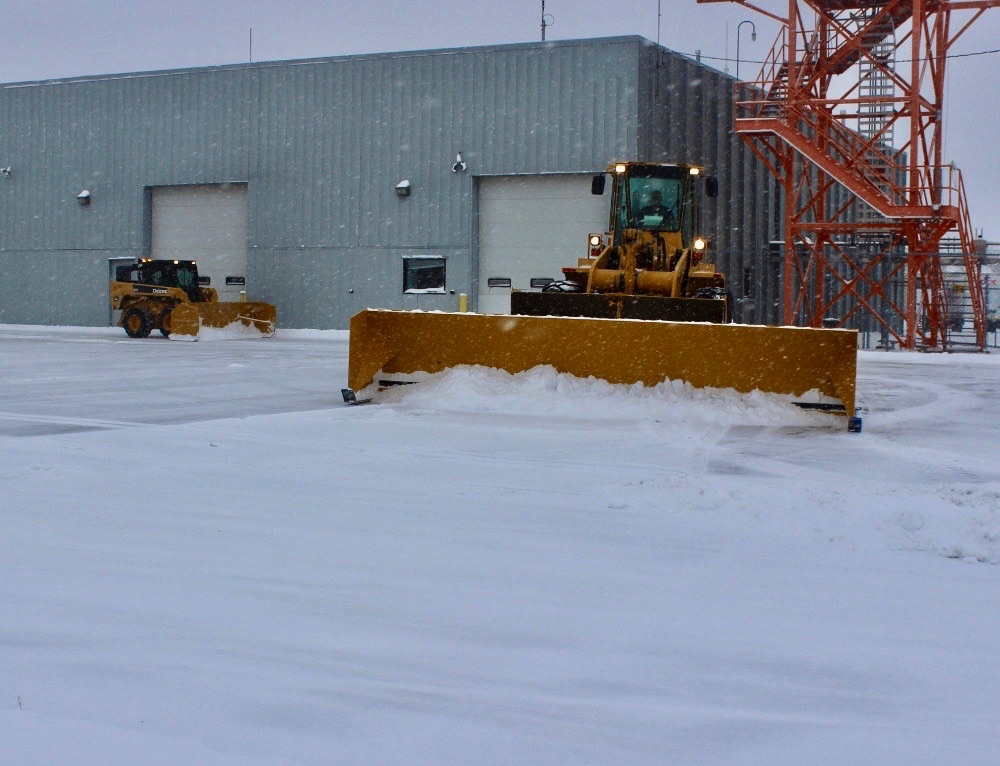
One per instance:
[(781, 360), (189, 320)]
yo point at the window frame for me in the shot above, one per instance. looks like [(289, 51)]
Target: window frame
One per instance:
[(411, 261)]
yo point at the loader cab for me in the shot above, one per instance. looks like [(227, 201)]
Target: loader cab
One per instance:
[(654, 197)]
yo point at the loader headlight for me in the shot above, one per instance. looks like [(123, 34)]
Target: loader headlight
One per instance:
[(619, 168), (596, 243), (700, 243), (694, 171)]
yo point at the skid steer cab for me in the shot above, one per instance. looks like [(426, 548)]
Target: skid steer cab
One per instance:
[(167, 295)]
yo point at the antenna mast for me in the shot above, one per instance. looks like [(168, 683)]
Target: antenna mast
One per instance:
[(547, 20)]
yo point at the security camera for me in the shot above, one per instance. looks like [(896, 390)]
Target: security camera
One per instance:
[(5, 172), (403, 188), (83, 197), (459, 166)]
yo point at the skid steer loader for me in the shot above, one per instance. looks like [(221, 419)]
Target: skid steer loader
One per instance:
[(644, 306), (166, 295)]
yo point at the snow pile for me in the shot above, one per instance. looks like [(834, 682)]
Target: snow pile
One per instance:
[(237, 330), (959, 522), (544, 391)]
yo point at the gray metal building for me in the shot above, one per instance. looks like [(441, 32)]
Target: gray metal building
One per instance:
[(330, 185)]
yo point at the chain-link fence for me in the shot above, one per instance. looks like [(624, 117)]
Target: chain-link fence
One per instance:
[(991, 295), (756, 280)]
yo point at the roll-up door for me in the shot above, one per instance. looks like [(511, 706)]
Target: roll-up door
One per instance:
[(529, 228), (207, 224)]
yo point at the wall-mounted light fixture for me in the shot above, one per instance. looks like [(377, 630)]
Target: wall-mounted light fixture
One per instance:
[(5, 172), (459, 166), (403, 188), (83, 197)]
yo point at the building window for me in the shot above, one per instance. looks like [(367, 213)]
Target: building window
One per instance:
[(423, 274)]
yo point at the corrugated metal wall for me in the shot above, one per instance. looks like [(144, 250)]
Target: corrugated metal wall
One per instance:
[(687, 111), (322, 145)]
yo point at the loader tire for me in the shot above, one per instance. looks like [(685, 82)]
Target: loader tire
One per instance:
[(163, 321), (137, 323)]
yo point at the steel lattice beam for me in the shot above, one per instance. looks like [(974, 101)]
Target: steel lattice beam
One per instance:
[(863, 216)]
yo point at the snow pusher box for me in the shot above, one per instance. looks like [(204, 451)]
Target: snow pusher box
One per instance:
[(817, 367), (166, 295), (644, 305)]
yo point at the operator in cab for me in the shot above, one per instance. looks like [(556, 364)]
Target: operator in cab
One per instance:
[(655, 206), (656, 215)]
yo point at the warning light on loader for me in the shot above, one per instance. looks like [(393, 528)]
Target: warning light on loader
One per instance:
[(596, 242)]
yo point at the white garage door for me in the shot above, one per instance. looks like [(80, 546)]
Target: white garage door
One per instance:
[(207, 224), (529, 228)]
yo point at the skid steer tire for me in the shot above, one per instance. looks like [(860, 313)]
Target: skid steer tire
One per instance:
[(137, 323), (163, 321)]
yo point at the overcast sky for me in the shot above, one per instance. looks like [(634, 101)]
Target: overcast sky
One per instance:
[(44, 39)]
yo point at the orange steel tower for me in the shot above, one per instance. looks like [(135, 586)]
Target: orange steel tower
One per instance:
[(864, 219)]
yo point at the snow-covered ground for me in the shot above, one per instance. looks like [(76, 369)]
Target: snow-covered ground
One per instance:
[(206, 558)]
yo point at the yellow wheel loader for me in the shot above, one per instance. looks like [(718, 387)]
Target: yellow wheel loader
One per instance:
[(166, 295), (650, 264), (643, 307)]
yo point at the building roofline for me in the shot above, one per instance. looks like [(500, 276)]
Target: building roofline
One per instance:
[(318, 60)]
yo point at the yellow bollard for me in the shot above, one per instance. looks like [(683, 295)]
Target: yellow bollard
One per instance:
[(463, 303), (243, 296)]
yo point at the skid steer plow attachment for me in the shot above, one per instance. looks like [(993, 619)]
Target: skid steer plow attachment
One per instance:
[(253, 319), (783, 360)]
